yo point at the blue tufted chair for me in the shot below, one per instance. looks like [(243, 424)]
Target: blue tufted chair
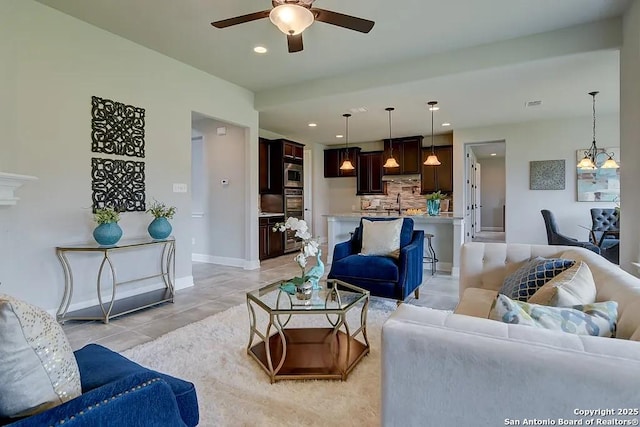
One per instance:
[(604, 220), (555, 238), (382, 276)]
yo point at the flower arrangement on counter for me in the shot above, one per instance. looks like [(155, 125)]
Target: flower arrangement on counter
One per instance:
[(106, 215), (309, 245)]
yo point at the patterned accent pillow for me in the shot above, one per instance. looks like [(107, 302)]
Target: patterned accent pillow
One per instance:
[(597, 319), (526, 280), (39, 370)]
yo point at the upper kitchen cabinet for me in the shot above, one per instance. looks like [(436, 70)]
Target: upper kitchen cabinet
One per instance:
[(270, 169), (407, 152), (333, 159), (369, 167), (436, 178), (293, 151)]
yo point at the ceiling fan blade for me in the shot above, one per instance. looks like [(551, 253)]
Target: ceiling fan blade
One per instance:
[(342, 20), (241, 19), (295, 43)]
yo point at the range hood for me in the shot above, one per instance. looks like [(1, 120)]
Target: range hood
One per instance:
[(408, 177)]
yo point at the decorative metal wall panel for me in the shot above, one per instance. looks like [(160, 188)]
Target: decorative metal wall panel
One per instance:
[(118, 183), (547, 175), (116, 128)]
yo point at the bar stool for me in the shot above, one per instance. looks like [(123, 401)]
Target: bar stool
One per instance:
[(431, 257)]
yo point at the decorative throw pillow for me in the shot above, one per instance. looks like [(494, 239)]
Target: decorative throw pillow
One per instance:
[(39, 370), (597, 319), (573, 286), (525, 281), (381, 237)]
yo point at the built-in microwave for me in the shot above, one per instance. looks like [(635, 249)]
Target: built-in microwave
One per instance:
[(293, 175)]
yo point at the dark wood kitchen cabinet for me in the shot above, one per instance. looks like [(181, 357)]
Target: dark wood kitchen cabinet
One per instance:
[(407, 152), (271, 243), (436, 178), (333, 159), (369, 166), (270, 166), (292, 151)]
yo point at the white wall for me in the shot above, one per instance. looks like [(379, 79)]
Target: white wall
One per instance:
[(219, 234), (492, 192), (630, 137), (51, 66), (542, 140)]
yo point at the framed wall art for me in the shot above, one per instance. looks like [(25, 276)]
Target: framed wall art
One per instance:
[(547, 175)]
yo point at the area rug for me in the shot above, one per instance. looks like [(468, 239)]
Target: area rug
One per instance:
[(234, 391)]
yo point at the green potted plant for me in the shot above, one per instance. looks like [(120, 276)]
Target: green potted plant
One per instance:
[(108, 232), (433, 203), (160, 228)]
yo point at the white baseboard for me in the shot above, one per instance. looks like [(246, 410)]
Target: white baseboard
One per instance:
[(491, 229), (231, 262), (180, 283), (440, 266)]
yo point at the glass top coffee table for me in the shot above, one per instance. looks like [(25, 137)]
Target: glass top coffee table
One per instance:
[(323, 337)]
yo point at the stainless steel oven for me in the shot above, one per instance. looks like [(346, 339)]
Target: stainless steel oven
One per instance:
[(294, 207), (293, 176)]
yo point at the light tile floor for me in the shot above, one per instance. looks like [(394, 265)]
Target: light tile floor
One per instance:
[(217, 288)]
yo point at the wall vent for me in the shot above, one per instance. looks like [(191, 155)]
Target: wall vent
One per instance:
[(532, 103)]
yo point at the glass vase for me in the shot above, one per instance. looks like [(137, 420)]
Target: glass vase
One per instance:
[(304, 291), (433, 207)]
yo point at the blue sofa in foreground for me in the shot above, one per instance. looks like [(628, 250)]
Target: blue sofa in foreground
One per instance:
[(383, 276), (118, 392)]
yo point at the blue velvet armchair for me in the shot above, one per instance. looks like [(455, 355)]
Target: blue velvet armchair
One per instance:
[(381, 275), (118, 392)]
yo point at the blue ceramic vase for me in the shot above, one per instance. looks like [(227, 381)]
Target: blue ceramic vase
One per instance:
[(160, 228), (107, 234), (433, 207)]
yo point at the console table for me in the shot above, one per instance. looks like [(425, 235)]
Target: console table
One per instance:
[(106, 310)]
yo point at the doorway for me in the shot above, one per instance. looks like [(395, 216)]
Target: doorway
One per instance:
[(485, 191)]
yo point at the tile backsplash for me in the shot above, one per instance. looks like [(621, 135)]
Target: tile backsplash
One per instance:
[(410, 197)]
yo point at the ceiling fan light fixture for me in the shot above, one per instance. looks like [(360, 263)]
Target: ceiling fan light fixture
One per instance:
[(291, 19)]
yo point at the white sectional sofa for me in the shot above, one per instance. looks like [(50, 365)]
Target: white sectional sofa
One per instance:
[(445, 369)]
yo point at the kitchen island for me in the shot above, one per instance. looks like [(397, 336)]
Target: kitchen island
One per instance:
[(447, 229)]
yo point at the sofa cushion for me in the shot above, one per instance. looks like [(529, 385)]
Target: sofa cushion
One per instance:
[(38, 368), (597, 319), (381, 237), (476, 302), (98, 366), (573, 286), (366, 267), (526, 280)]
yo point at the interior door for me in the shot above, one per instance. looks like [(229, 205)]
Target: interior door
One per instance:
[(308, 189), (478, 200)]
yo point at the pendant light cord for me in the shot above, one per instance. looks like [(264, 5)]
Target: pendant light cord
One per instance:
[(390, 109), (432, 152)]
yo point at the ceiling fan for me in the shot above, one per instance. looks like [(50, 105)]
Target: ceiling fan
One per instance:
[(292, 17)]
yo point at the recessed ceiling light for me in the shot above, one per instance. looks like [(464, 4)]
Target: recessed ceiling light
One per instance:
[(339, 136), (260, 49), (434, 108), (493, 154), (312, 125), (446, 124)]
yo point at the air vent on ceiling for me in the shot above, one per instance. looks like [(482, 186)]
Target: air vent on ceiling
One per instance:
[(532, 103)]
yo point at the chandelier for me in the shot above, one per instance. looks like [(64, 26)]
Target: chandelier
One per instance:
[(589, 161)]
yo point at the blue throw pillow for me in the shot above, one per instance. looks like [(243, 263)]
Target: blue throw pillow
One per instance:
[(525, 281)]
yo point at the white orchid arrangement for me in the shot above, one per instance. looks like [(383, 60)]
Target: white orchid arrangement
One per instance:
[(309, 244)]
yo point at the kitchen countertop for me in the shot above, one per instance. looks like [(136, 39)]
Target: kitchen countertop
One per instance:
[(269, 214)]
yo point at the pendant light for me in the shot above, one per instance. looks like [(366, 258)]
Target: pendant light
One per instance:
[(589, 160), (391, 161), (346, 164), (432, 160)]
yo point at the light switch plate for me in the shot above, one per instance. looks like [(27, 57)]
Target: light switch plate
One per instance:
[(179, 188)]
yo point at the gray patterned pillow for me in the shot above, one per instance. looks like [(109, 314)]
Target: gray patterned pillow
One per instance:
[(597, 319), (39, 370), (525, 281)]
